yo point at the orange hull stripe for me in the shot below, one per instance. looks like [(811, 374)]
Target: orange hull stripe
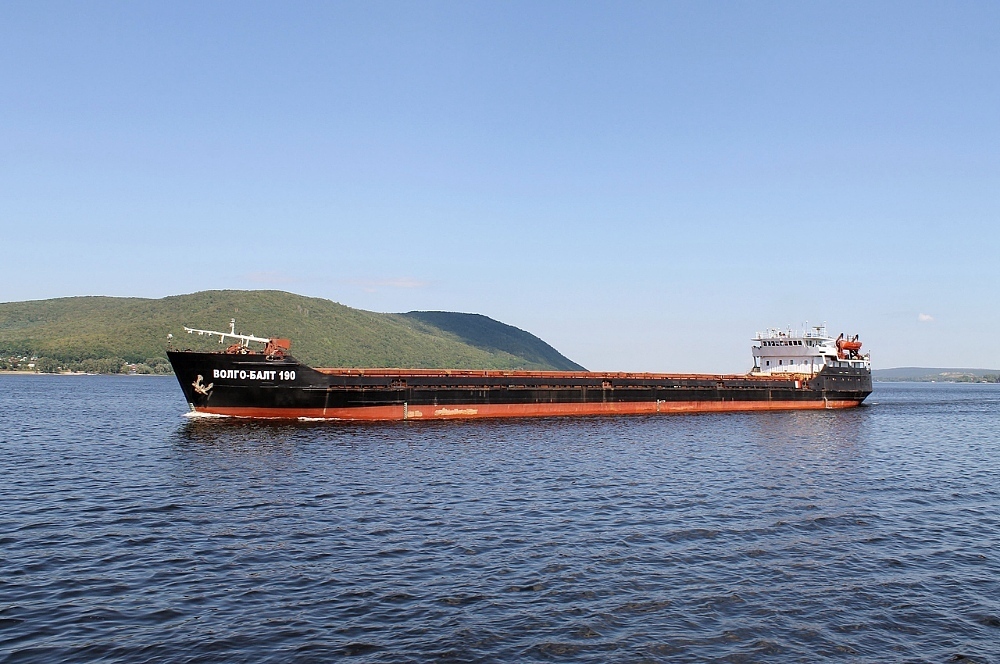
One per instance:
[(472, 411)]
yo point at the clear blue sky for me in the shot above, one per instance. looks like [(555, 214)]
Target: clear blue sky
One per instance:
[(642, 184)]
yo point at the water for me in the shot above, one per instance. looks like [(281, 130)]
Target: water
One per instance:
[(131, 533)]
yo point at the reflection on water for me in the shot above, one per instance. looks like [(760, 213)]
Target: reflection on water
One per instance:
[(233, 435), (130, 532), (811, 432)]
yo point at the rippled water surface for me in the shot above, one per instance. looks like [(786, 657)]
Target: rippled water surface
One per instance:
[(131, 533)]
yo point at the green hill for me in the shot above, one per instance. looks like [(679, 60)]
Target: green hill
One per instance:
[(92, 333), (490, 335)]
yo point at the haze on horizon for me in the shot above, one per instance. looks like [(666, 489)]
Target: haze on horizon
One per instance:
[(643, 185)]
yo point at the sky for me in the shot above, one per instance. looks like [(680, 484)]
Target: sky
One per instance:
[(644, 185)]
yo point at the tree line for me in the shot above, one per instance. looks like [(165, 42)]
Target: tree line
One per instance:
[(103, 365)]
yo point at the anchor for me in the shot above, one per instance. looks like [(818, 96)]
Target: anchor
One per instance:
[(201, 388)]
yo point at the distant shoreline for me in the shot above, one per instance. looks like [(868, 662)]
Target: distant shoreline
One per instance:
[(8, 372), (936, 375), (939, 382)]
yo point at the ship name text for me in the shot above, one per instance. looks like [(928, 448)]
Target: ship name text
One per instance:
[(243, 374)]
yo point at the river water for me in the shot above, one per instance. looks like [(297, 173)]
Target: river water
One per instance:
[(129, 532)]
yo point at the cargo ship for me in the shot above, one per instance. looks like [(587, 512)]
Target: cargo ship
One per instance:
[(792, 370)]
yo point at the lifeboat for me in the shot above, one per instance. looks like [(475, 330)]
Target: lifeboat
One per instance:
[(848, 347)]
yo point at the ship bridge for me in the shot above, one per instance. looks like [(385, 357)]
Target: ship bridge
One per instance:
[(805, 352)]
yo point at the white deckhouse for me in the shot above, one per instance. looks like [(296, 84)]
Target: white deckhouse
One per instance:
[(805, 352)]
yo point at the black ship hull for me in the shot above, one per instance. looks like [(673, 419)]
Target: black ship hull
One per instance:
[(252, 385)]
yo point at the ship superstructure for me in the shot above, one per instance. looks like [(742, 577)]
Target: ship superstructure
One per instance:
[(805, 352)]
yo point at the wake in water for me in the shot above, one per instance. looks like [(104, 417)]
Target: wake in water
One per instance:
[(195, 415)]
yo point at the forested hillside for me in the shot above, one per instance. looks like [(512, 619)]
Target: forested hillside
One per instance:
[(103, 333)]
